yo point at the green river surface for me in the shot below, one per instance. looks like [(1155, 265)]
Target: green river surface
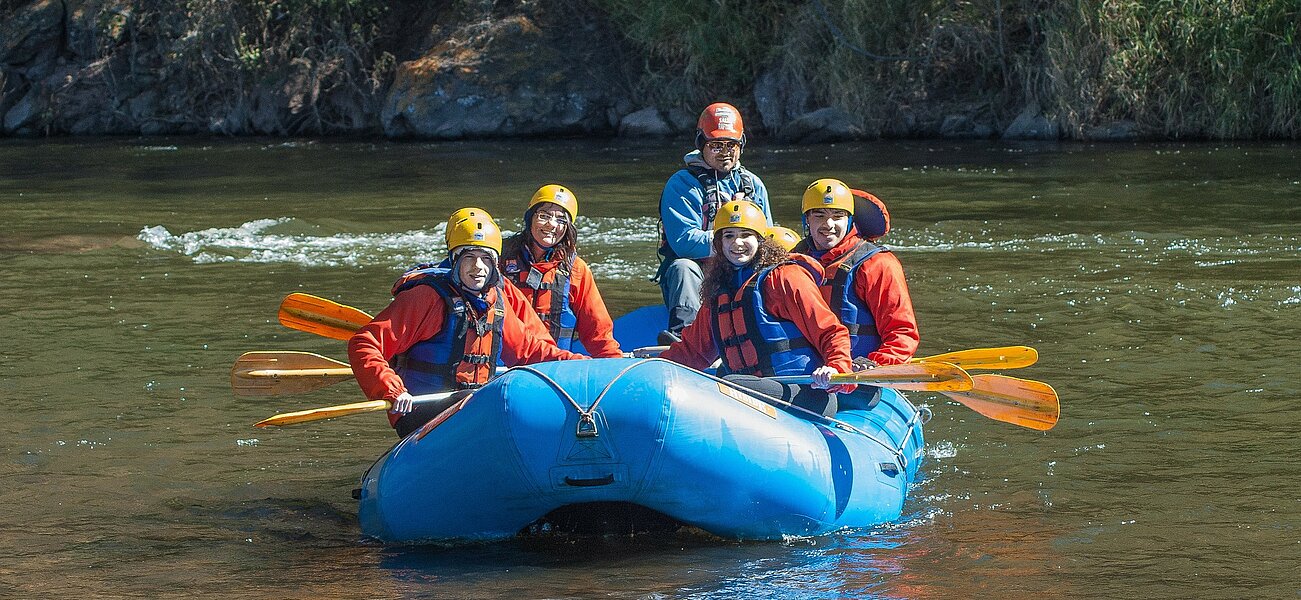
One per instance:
[(1161, 285)]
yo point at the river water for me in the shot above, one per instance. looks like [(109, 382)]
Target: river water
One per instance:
[(1161, 285)]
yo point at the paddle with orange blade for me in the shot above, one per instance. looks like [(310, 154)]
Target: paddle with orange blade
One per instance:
[(323, 317), (1031, 404)]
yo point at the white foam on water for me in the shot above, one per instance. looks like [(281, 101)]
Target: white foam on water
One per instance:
[(618, 245), (257, 242)]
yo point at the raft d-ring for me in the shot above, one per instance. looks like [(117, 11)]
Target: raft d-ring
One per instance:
[(586, 426), (926, 414)]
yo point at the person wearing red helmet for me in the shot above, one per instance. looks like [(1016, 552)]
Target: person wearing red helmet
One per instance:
[(865, 282), (763, 316), (712, 175), (448, 326)]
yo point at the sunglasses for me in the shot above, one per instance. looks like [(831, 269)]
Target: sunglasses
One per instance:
[(717, 147)]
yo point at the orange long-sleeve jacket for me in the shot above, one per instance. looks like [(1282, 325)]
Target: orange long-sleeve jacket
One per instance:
[(879, 282), (594, 328), (789, 293), (418, 314)]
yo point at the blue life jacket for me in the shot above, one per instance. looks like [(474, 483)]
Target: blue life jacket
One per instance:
[(751, 341), (548, 294), (465, 351), (852, 310), (711, 200)]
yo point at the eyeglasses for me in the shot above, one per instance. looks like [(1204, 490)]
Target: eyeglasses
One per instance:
[(720, 147), (550, 218)]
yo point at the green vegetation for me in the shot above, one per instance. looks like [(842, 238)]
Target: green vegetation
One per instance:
[(1179, 68), (221, 50)]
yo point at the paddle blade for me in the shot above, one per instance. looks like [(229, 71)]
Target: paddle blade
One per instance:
[(285, 373), (317, 414), (1031, 404), (1002, 357), (323, 317)]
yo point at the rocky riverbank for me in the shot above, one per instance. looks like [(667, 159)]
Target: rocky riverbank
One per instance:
[(436, 70)]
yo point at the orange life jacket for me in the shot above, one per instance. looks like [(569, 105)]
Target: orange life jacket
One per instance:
[(548, 294), (751, 341), (465, 351)]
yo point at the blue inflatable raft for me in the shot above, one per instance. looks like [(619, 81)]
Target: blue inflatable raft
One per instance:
[(644, 432)]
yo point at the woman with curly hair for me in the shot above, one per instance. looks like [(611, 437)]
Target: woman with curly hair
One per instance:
[(763, 316)]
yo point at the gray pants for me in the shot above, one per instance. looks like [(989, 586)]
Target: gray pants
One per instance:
[(680, 281)]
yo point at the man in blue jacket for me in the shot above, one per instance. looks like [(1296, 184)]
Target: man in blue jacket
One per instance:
[(713, 175)]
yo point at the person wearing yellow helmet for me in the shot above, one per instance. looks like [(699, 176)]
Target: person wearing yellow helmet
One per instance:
[(784, 236), (762, 315), (712, 175), (865, 282), (448, 326), (542, 261)]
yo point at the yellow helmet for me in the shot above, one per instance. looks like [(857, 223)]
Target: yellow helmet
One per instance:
[(473, 227), (784, 236), (741, 213), (828, 193), (556, 194)]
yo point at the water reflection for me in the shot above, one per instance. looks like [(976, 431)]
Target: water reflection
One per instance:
[(1158, 283)]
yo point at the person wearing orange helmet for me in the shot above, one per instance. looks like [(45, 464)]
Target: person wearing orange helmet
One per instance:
[(865, 282), (448, 326), (542, 261), (711, 176), (763, 316)]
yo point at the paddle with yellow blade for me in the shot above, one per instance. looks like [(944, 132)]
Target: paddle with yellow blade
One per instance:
[(343, 410), (323, 317), (1023, 402), (328, 318), (928, 377), (1002, 357), (931, 377), (284, 373), (272, 373)]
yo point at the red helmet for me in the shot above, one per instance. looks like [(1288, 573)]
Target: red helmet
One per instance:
[(720, 120), (871, 219)]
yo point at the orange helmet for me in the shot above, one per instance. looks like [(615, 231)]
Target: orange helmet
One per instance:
[(720, 120)]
